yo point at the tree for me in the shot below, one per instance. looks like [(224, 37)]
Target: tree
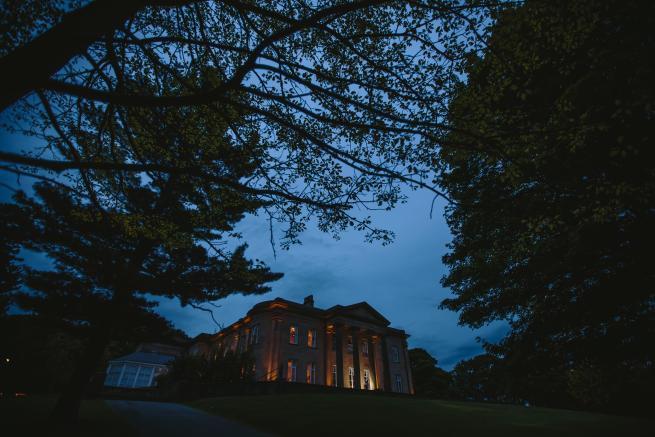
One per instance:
[(477, 378), (9, 275), (429, 380), (43, 351), (347, 98), (552, 213), (9, 262), (136, 236), (169, 120), (105, 272), (227, 368)]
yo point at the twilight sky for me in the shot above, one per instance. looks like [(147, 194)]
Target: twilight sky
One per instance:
[(400, 280)]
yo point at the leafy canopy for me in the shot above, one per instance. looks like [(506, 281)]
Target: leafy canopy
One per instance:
[(346, 100), (553, 208)]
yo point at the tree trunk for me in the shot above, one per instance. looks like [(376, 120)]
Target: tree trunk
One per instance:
[(66, 411), (27, 68)]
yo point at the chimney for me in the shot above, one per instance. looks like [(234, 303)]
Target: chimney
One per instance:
[(309, 300)]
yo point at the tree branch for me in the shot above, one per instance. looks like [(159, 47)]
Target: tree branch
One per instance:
[(61, 166)]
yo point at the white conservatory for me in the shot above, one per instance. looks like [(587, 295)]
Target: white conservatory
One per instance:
[(137, 370)]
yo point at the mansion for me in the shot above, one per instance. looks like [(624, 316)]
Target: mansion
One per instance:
[(349, 346)]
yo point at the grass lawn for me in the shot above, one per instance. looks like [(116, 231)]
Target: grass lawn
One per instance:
[(340, 415), (27, 416)]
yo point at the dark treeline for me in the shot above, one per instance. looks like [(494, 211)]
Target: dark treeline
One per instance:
[(39, 354), (554, 232)]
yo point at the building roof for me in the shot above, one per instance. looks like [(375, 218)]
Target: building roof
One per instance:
[(145, 358), (160, 348), (345, 310), (360, 311), (354, 310)]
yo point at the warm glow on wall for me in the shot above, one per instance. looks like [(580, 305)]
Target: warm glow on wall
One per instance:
[(311, 337)]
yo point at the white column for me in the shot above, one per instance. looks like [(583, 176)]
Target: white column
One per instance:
[(120, 378), (136, 377)]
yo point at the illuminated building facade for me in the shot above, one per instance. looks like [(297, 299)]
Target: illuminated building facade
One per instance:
[(343, 346)]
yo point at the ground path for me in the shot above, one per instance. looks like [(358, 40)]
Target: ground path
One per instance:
[(163, 419)]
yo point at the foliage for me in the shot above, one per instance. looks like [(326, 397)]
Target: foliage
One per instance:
[(138, 236), (92, 253), (160, 123), (479, 379), (10, 271), (215, 369), (429, 380), (553, 214), (346, 99), (43, 352), (9, 274), (41, 358)]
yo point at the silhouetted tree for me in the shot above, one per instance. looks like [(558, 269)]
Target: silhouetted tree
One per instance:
[(347, 98), (220, 368), (553, 213), (43, 350), (428, 378), (169, 120), (481, 378), (106, 267), (135, 235), (10, 272)]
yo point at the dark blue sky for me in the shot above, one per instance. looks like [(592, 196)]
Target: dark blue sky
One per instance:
[(400, 280)]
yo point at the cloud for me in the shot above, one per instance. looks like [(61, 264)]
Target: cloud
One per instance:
[(400, 280)]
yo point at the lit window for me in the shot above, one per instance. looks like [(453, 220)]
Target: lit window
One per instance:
[(395, 354), (311, 338), (293, 334), (291, 370), (367, 380), (334, 375), (311, 373), (254, 335), (351, 377), (350, 344), (365, 347), (399, 384)]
